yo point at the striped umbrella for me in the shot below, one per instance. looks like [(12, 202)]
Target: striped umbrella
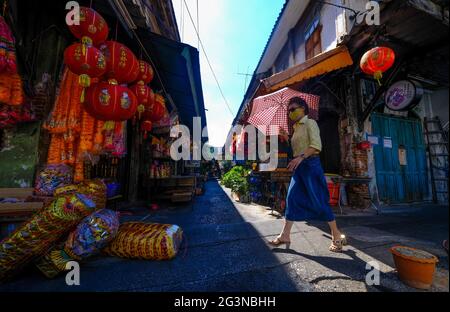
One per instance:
[(272, 110)]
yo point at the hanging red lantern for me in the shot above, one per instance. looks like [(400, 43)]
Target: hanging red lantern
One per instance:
[(144, 95), (156, 111), (86, 61), (146, 127), (377, 61), (121, 64), (109, 101), (92, 25), (146, 72)]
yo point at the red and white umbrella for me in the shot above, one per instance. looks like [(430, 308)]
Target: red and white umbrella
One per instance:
[(272, 110)]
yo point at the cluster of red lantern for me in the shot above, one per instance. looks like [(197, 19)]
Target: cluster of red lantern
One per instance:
[(377, 61), (95, 58)]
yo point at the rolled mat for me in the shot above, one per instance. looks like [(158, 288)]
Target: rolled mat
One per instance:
[(43, 230), (94, 189), (90, 236), (146, 241)]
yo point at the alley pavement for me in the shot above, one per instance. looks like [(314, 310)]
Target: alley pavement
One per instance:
[(225, 249)]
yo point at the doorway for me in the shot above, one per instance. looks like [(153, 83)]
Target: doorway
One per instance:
[(400, 159)]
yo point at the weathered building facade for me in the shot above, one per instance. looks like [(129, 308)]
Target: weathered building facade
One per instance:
[(316, 47)]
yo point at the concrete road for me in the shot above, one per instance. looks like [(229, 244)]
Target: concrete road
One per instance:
[(226, 250)]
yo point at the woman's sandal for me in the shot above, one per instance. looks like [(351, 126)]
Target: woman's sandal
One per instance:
[(278, 242), (336, 245)]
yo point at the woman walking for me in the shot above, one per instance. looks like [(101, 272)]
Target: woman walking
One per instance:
[(308, 196)]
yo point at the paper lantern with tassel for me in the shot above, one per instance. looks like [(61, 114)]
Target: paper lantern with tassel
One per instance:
[(109, 101), (121, 64), (86, 61), (156, 111), (377, 61), (92, 25), (144, 95), (146, 72)]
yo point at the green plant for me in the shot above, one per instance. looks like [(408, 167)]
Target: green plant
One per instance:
[(236, 180)]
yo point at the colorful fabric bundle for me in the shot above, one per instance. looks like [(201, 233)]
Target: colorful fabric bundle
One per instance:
[(51, 178), (11, 91), (146, 241), (35, 237), (90, 236), (7, 49), (94, 189)]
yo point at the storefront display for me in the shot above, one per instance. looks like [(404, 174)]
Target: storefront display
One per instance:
[(93, 234), (41, 231)]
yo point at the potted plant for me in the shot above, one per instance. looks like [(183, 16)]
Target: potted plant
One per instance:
[(240, 187)]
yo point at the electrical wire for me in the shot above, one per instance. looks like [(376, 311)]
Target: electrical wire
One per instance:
[(207, 59)]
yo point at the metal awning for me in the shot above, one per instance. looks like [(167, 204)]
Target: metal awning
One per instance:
[(321, 64)]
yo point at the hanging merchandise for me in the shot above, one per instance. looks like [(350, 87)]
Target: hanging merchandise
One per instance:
[(88, 239), (92, 26), (45, 228), (120, 140), (11, 89), (377, 61), (146, 127), (146, 241), (156, 112), (109, 101), (85, 60), (146, 73), (144, 95), (121, 64), (7, 49)]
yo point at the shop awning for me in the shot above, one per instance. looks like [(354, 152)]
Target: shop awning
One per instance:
[(179, 67), (321, 64)]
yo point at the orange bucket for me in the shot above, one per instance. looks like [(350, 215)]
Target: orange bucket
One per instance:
[(415, 267)]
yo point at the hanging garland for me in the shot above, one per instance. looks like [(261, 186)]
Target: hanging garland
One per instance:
[(11, 90)]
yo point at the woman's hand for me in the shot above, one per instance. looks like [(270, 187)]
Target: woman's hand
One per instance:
[(293, 165), (284, 136)]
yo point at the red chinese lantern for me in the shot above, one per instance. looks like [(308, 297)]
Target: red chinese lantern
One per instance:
[(92, 26), (146, 73), (146, 127), (109, 101), (144, 95), (377, 61), (156, 111), (121, 64), (86, 61)]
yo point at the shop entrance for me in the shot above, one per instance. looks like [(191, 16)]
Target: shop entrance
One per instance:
[(400, 159)]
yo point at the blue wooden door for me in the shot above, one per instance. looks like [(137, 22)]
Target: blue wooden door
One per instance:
[(402, 169)]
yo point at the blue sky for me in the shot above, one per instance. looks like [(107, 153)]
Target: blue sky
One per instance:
[(234, 34)]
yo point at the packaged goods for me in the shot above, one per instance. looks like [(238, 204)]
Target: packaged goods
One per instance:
[(90, 236), (51, 178), (44, 229), (146, 241)]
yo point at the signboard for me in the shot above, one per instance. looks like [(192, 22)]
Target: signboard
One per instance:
[(387, 142), (402, 156), (403, 95), (374, 140)]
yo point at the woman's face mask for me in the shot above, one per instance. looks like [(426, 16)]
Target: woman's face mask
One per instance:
[(296, 114)]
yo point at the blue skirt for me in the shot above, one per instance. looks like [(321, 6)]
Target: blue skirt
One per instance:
[(308, 197)]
